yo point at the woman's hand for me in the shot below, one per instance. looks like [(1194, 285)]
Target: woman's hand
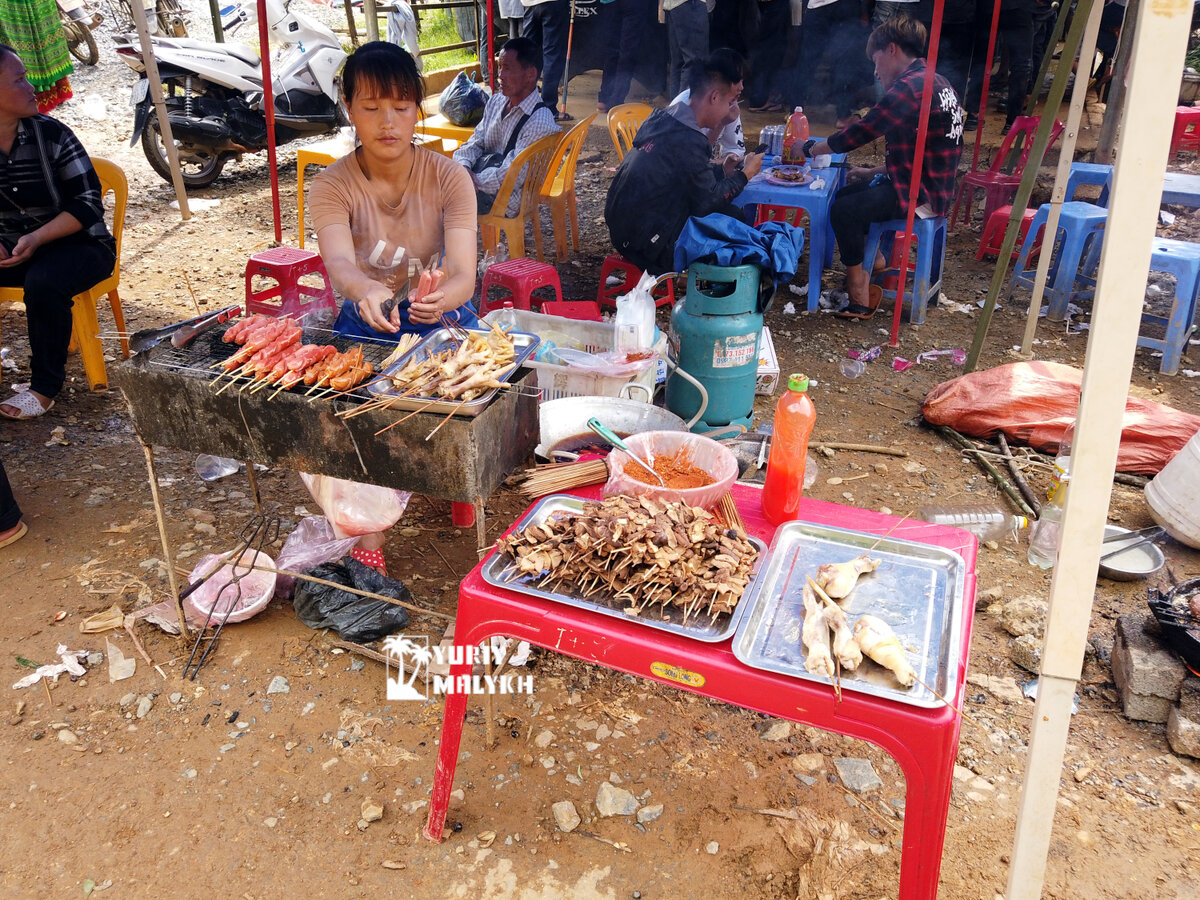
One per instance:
[(370, 307), (856, 174), (429, 309), (22, 250)]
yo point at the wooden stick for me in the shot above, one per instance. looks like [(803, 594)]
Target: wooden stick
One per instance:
[(1022, 484), (449, 416), (862, 448), (1001, 482), (345, 587), (406, 418), (361, 651), (965, 717)]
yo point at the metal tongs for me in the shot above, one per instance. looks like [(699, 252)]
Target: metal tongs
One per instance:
[(400, 298), (1134, 538), (258, 533), (181, 332)]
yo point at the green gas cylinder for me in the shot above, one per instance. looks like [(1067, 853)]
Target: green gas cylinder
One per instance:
[(714, 336)]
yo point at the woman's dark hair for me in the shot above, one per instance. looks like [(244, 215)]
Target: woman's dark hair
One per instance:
[(525, 50), (380, 69), (907, 34), (723, 66), (5, 49)]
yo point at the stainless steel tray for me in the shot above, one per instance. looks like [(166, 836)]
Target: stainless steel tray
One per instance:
[(917, 589), (436, 342), (700, 630)]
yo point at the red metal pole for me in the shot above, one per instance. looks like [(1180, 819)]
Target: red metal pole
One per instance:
[(264, 49), (490, 43), (914, 189), (987, 80)]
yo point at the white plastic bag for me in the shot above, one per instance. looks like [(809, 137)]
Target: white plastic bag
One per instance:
[(355, 509), (635, 316)]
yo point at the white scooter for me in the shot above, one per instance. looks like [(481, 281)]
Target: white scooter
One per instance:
[(214, 95)]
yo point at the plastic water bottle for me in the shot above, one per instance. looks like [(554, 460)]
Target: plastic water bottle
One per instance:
[(794, 136), (506, 318), (1062, 460), (1043, 543), (986, 521), (210, 468), (794, 421)]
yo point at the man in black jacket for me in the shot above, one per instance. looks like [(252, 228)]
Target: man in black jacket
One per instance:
[(669, 174)]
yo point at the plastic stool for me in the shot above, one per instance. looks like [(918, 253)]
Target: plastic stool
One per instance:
[(664, 293), (579, 310), (1186, 133), (1089, 173), (994, 230), (288, 296), (521, 277), (930, 237), (1081, 229), (1181, 259)]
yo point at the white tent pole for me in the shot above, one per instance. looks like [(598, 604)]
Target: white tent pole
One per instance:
[(1087, 50), (160, 108), (1159, 44)]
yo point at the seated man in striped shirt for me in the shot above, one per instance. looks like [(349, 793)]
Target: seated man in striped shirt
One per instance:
[(512, 120), (53, 240)]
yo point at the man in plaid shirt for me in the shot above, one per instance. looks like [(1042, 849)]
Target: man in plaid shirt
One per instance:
[(881, 193)]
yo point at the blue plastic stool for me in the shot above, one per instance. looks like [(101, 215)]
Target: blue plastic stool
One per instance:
[(1089, 173), (1181, 259), (930, 237), (1080, 229)]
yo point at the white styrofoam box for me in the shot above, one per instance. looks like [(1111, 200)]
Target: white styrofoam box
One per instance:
[(768, 365)]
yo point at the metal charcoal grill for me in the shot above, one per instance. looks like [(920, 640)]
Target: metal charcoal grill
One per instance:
[(199, 358), (1179, 626)]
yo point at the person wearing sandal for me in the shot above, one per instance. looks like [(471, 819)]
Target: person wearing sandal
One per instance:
[(12, 529), (53, 240), (881, 193)]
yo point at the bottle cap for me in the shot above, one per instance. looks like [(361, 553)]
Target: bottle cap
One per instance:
[(797, 382), (799, 109)]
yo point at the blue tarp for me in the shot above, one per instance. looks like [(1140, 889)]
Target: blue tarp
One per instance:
[(725, 241)]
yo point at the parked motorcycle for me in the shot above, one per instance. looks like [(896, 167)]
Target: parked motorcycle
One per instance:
[(214, 95), (78, 22)]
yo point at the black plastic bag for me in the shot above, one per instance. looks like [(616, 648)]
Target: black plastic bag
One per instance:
[(462, 101), (353, 617)]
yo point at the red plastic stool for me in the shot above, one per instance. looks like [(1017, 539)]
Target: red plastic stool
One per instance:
[(993, 234), (664, 294), (579, 310), (521, 277), (1186, 133), (289, 296)]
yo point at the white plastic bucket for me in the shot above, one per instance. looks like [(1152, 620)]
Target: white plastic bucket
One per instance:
[(1174, 494)]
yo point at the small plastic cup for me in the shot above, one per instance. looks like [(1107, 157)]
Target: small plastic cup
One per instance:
[(852, 368)]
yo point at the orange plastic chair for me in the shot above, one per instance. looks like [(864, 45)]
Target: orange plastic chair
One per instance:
[(623, 124), (1000, 187), (558, 192), (534, 161), (85, 333)]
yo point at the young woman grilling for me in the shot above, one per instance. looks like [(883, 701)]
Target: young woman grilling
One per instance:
[(383, 212), (388, 208)]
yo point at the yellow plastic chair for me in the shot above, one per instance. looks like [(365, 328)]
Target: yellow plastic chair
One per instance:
[(534, 160), (85, 332), (623, 124), (558, 192)]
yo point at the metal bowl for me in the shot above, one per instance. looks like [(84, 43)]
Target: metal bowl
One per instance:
[(1140, 561), (566, 418)]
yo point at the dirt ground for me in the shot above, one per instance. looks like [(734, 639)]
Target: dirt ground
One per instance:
[(154, 786)]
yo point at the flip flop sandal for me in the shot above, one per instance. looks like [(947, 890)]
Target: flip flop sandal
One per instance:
[(27, 404), (564, 117), (372, 558), (22, 530), (863, 313)]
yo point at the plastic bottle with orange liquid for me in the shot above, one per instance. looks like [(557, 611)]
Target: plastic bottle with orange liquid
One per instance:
[(794, 421), (794, 136)]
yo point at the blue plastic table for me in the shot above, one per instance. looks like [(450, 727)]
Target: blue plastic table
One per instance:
[(1181, 189), (815, 203)]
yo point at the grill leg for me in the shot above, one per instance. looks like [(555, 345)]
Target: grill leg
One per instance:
[(162, 534), (252, 477)]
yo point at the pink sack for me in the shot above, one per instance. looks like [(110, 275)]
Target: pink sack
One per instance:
[(1033, 402)]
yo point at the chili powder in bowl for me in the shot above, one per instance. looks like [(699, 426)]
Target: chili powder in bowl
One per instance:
[(695, 469)]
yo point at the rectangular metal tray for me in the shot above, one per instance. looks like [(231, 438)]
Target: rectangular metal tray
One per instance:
[(436, 342), (700, 629), (917, 589)]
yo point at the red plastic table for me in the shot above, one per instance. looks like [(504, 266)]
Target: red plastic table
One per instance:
[(923, 741)]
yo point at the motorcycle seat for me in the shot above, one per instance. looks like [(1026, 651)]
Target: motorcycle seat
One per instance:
[(234, 49)]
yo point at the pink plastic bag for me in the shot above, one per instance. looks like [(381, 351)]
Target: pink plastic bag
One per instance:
[(311, 543), (355, 509), (1033, 402)]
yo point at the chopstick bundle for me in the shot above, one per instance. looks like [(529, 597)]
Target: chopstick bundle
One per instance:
[(555, 478), (728, 512)]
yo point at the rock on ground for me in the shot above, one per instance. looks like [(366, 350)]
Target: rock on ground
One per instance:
[(615, 801), (565, 815), (857, 775)]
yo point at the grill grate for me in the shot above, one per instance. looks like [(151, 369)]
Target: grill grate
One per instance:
[(1180, 627), (199, 359)]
